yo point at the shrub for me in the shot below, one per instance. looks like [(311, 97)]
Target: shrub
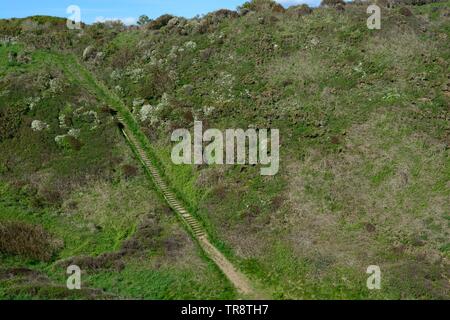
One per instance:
[(10, 122), (122, 57), (206, 54), (225, 13), (332, 3), (300, 10), (129, 171), (405, 12), (19, 238), (74, 143), (154, 85), (160, 22), (262, 5)]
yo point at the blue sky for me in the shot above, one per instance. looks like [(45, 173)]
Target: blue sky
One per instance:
[(126, 10)]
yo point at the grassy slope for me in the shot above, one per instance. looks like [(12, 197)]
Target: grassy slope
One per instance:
[(364, 125)]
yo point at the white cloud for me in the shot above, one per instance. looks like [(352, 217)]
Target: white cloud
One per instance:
[(126, 21)]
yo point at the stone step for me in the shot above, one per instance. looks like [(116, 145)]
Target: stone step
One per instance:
[(195, 225)]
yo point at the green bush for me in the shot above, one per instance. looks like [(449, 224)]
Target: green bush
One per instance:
[(262, 5), (10, 121), (160, 22), (332, 3)]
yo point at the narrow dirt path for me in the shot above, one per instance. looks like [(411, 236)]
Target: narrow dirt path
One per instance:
[(135, 137)]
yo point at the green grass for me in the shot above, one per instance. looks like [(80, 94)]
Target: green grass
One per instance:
[(364, 125)]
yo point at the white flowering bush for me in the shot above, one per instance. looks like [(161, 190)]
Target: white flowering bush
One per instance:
[(62, 121), (55, 86), (173, 22), (147, 56), (119, 90), (135, 74), (60, 140), (145, 112), (137, 102), (88, 52), (191, 45), (38, 125), (173, 75), (74, 133), (151, 113), (116, 75), (93, 118), (223, 93), (164, 102)]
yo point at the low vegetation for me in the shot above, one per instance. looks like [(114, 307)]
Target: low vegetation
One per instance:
[(365, 171)]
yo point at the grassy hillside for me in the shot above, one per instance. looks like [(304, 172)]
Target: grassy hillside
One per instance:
[(72, 193), (365, 171)]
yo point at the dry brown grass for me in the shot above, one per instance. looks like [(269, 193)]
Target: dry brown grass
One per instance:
[(375, 201), (19, 238)]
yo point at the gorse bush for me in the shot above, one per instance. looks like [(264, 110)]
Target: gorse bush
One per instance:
[(160, 22), (19, 238), (214, 18), (262, 5), (225, 13), (10, 122)]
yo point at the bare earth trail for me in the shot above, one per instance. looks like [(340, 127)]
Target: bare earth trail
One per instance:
[(137, 140)]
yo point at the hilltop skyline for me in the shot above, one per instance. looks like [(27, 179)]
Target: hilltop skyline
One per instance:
[(126, 11)]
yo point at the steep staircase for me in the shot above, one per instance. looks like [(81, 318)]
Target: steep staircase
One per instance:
[(237, 278)]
